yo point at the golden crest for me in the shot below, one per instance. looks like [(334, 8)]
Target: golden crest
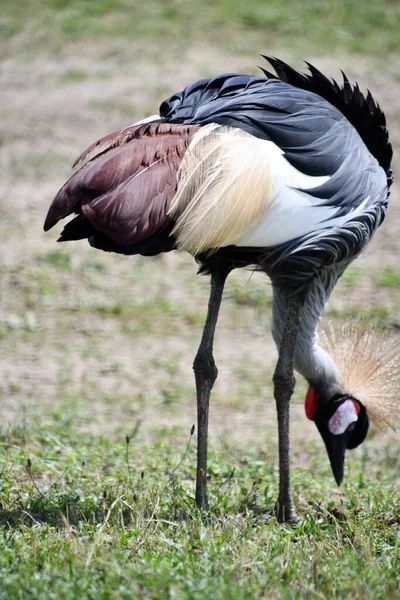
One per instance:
[(369, 363)]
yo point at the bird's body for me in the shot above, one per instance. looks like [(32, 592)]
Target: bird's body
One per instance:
[(287, 175), (318, 175)]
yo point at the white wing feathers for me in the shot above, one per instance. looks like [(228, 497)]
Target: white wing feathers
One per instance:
[(224, 188), (234, 188)]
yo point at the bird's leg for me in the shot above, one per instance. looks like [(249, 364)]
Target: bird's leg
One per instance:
[(206, 372), (284, 383)]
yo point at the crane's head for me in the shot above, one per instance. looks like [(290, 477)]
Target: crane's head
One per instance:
[(342, 422), (366, 388)]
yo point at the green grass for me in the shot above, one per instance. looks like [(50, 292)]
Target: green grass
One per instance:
[(255, 294), (353, 277), (390, 278), (68, 261), (73, 75), (91, 516), (349, 26)]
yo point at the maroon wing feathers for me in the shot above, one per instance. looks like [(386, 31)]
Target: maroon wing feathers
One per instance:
[(125, 193), (138, 206), (107, 143)]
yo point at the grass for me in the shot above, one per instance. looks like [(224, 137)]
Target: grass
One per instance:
[(86, 516), (390, 278), (256, 294), (351, 26)]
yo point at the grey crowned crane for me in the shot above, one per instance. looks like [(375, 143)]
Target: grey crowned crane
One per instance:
[(288, 174)]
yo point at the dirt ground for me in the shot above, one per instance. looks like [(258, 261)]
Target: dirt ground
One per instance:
[(77, 330)]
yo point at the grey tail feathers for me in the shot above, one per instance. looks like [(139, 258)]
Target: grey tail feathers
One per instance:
[(361, 110)]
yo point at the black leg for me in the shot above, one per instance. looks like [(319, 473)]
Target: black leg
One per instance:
[(206, 373), (284, 383)]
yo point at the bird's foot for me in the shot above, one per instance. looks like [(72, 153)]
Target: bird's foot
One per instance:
[(285, 513)]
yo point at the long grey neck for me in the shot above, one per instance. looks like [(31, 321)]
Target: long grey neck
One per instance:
[(311, 361)]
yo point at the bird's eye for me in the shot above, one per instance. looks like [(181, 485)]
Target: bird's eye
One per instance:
[(351, 427)]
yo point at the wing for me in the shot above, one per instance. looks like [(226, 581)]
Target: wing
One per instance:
[(110, 141), (315, 142), (124, 193), (242, 97)]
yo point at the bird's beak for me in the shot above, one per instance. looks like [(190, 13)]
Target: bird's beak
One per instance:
[(336, 446)]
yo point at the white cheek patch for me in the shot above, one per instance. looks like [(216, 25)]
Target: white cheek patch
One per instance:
[(342, 417)]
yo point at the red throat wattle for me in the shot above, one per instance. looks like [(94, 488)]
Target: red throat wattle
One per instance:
[(310, 404)]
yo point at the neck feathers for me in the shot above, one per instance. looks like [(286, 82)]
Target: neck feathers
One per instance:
[(311, 360)]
